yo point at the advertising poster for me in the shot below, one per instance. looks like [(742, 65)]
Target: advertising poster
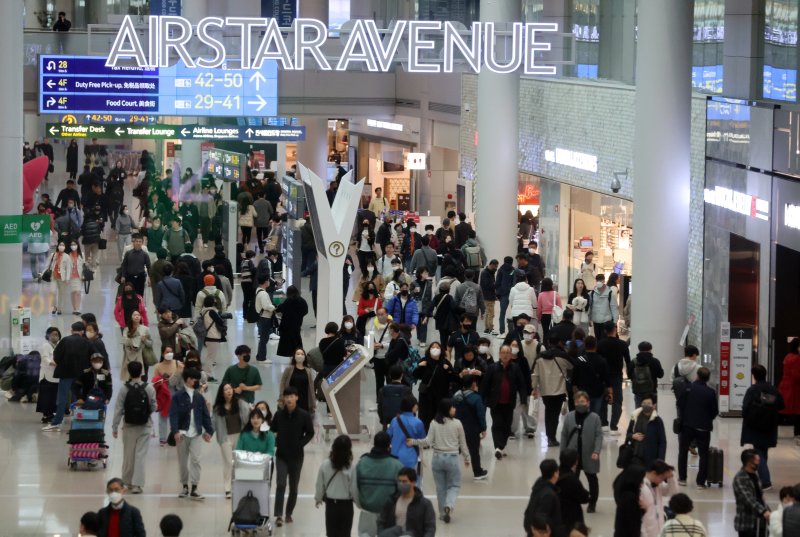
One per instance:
[(724, 367), (741, 357)]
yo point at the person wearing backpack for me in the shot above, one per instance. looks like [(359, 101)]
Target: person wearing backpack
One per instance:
[(214, 333), (471, 412), (760, 408), (644, 371), (391, 395), (469, 296), (136, 401), (683, 374), (696, 425), (472, 254), (602, 306), (210, 290)]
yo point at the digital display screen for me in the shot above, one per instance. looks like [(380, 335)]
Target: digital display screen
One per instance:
[(587, 243), (84, 85), (342, 368), (224, 165)]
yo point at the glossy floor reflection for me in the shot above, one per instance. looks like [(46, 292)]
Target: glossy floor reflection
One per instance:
[(40, 496)]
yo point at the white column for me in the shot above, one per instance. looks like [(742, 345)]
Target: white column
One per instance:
[(10, 145), (661, 175), (313, 151), (498, 146)]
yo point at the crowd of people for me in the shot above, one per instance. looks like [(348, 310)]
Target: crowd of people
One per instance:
[(560, 357)]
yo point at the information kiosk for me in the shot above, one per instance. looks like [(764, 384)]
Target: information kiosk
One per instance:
[(342, 389)]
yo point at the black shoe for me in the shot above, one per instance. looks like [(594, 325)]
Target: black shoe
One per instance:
[(446, 516), (481, 476), (591, 509), (553, 443)]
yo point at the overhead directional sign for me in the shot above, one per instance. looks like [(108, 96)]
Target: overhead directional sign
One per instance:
[(85, 85), (179, 132)]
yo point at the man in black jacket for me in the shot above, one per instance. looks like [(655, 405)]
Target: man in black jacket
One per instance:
[(544, 500), (420, 519), (504, 281), (591, 375), (617, 355), (461, 231), (293, 430), (71, 356), (644, 371), (697, 424), (565, 327), (488, 285), (118, 517), (501, 386), (760, 408)]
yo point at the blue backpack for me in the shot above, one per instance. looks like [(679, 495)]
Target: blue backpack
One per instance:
[(410, 365)]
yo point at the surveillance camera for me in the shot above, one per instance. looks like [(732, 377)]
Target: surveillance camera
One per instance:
[(467, 107), (615, 185)]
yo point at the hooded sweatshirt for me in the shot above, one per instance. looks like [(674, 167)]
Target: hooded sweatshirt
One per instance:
[(686, 368)]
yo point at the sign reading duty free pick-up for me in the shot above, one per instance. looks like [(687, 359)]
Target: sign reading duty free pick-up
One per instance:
[(178, 132)]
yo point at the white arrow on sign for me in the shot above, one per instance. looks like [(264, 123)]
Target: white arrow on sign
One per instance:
[(51, 65), (249, 133), (258, 78), (50, 83), (53, 130), (185, 132), (119, 131), (260, 102), (51, 101)]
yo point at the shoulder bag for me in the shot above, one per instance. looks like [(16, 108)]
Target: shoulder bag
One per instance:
[(148, 354), (47, 275), (328, 484), (564, 405), (625, 455)]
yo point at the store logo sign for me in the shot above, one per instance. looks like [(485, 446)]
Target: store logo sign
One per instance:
[(573, 159), (791, 216), (427, 46), (737, 202)]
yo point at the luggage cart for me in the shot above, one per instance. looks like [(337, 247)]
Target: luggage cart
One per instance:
[(252, 473), (87, 438)]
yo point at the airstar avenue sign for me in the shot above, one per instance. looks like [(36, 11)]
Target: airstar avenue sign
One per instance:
[(412, 42)]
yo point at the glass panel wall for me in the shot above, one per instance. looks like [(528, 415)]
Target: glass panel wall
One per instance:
[(780, 50)]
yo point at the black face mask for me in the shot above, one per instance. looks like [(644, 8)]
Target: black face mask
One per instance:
[(404, 292), (193, 365), (246, 358), (466, 327)]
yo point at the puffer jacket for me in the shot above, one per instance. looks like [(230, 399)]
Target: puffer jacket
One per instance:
[(90, 232), (547, 378), (521, 299)]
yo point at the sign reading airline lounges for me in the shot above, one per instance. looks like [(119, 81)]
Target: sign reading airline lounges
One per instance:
[(262, 40)]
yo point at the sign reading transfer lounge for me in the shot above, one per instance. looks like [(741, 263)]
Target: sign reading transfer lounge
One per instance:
[(412, 42)]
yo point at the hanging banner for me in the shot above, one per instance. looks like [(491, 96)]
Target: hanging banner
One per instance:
[(165, 7), (283, 11)]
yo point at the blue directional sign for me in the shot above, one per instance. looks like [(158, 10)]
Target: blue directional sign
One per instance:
[(84, 85)]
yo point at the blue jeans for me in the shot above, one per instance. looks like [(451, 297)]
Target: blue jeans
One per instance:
[(264, 330), (763, 469), (447, 475), (64, 391), (596, 404), (503, 307)]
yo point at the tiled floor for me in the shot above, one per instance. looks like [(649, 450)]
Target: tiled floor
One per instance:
[(40, 496)]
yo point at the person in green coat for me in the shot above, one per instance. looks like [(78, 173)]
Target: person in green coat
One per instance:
[(256, 435)]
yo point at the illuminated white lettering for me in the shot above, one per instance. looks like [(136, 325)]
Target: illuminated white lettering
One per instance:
[(126, 35), (384, 56), (453, 40), (531, 46), (272, 36), (415, 45), (357, 38), (211, 42), (246, 24), (175, 33), (791, 216), (302, 44), (515, 46)]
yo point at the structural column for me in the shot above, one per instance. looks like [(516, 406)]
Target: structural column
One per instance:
[(10, 146), (313, 151), (617, 40), (498, 145), (743, 50), (661, 175)]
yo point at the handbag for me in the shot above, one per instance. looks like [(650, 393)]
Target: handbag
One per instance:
[(533, 407), (676, 426), (328, 484), (625, 455), (47, 275), (558, 312), (564, 408), (102, 244), (148, 355)]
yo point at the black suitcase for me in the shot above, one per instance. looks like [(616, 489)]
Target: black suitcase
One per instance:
[(86, 436), (716, 459)]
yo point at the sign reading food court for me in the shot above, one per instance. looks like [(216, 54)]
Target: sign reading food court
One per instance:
[(413, 42)]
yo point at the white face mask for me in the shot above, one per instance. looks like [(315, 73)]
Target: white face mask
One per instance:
[(97, 365), (483, 349), (73, 247), (532, 250), (169, 356), (365, 233), (514, 350), (429, 232), (264, 427), (299, 358), (412, 229), (348, 325), (435, 353), (115, 497), (528, 337)]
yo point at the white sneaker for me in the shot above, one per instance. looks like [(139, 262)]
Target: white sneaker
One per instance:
[(51, 428), (606, 429), (501, 336), (422, 344), (614, 432), (495, 333), (267, 362)]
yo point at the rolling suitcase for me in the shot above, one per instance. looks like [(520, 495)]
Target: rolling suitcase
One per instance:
[(716, 458)]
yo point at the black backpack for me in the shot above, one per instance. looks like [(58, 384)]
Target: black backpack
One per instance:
[(680, 383), (137, 404), (248, 511), (391, 395), (762, 413), (642, 381)]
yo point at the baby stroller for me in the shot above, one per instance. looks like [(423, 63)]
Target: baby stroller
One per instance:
[(252, 474), (86, 434)]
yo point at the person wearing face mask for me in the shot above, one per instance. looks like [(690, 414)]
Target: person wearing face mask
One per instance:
[(403, 308), (369, 299), (72, 270), (301, 378), (245, 379), (93, 382), (381, 339), (125, 229), (48, 383), (59, 265), (470, 364), (647, 434), (549, 379), (94, 337), (191, 361), (365, 238), (135, 404), (502, 386), (471, 412), (231, 414), (602, 306), (162, 373), (435, 373), (583, 432), (484, 351), (408, 512), (421, 292), (349, 333), (127, 303), (465, 337), (119, 518), (411, 242), (386, 264)]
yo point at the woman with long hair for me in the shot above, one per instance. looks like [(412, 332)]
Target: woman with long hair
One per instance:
[(128, 302), (578, 302), (435, 373), (548, 298), (256, 436), (74, 275), (247, 216), (96, 339), (134, 338), (231, 414), (334, 486), (300, 377), (349, 333), (446, 437), (629, 513)]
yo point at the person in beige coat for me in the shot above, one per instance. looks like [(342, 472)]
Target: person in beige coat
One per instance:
[(302, 378), (549, 379), (134, 339)]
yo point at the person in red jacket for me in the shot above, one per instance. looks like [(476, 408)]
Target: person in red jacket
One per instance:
[(790, 385), (163, 400)]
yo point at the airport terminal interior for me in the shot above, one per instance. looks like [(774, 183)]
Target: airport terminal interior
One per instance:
[(456, 185)]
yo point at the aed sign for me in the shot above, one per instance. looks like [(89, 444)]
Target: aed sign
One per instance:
[(424, 46)]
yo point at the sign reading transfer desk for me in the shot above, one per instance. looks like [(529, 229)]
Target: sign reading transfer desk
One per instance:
[(179, 132)]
